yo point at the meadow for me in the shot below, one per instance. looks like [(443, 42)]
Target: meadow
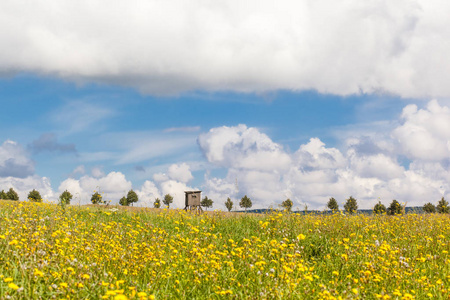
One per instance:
[(53, 252)]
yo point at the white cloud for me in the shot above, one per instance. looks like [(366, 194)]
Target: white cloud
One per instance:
[(180, 172), (399, 47), (242, 147), (425, 133), (367, 167), (112, 186), (15, 161), (24, 185)]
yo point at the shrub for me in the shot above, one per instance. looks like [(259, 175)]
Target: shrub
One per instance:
[(351, 206), (379, 208), (12, 195), (287, 204), (429, 208), (34, 196), (332, 204), (395, 208), (229, 204), (65, 197), (442, 206), (245, 202)]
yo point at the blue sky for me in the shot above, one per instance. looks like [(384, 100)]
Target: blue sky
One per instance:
[(306, 108)]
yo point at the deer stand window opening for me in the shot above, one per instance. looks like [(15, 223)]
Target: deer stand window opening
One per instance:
[(192, 201)]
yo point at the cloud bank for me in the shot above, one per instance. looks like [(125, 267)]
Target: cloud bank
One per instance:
[(166, 47), (366, 168)]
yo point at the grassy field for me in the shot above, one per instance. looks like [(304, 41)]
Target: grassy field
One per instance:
[(92, 253)]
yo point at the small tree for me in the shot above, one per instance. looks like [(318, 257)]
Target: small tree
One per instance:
[(206, 202), (123, 201), (332, 204), (3, 195), (287, 204), (157, 203), (65, 197), (442, 206), (379, 208), (429, 208), (12, 195), (132, 197), (395, 208), (245, 202), (34, 196), (229, 204), (96, 198), (167, 200), (351, 206)]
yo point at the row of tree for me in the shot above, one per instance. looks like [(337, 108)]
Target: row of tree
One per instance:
[(395, 208), (350, 206)]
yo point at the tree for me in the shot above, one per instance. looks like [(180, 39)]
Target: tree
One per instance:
[(332, 204), (65, 197), (167, 200), (157, 203), (429, 208), (34, 196), (351, 206), (132, 197), (379, 208), (442, 206), (245, 202), (3, 195), (287, 204), (123, 201), (12, 195), (96, 198), (229, 204), (206, 202), (395, 208)]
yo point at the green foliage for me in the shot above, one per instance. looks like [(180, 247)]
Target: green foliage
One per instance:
[(12, 195), (229, 204), (34, 196), (157, 203), (351, 206), (245, 202), (442, 206), (206, 202), (429, 208), (287, 204), (379, 208), (96, 198), (332, 204), (395, 208), (132, 197), (123, 201), (168, 199), (3, 195), (65, 197)]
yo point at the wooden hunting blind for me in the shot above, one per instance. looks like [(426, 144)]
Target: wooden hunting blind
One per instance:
[(192, 200)]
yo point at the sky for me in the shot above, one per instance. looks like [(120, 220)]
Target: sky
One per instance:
[(304, 100)]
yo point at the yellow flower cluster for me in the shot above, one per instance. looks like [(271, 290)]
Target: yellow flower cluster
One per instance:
[(90, 252)]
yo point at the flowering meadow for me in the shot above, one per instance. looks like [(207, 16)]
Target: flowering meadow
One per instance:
[(51, 252)]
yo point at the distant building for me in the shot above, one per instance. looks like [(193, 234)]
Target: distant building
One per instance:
[(192, 200)]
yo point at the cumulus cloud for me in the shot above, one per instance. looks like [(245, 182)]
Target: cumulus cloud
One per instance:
[(365, 167), (425, 132), (242, 147), (397, 47), (49, 142), (180, 172), (112, 186)]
